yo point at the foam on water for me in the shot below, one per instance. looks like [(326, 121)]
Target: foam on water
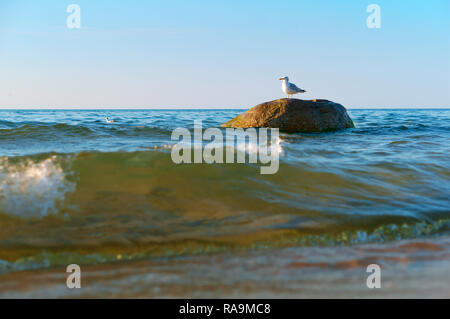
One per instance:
[(32, 189)]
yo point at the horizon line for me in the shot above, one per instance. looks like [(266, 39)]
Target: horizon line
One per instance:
[(200, 108)]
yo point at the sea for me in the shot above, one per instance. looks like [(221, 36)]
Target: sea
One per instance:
[(75, 189)]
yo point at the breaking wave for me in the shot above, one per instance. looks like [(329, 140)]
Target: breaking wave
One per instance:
[(32, 189)]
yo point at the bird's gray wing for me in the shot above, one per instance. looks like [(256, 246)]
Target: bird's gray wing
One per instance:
[(294, 87)]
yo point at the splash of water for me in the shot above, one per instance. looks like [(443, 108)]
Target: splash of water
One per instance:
[(32, 189)]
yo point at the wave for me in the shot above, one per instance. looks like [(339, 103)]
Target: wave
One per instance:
[(32, 188), (43, 180), (40, 131), (47, 132), (386, 233), (98, 205), (141, 131)]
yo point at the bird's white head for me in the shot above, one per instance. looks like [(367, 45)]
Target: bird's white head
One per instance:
[(284, 79)]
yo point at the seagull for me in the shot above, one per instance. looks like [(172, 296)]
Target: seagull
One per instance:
[(290, 88), (108, 120)]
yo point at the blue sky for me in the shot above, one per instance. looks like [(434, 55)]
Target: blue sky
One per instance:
[(212, 54)]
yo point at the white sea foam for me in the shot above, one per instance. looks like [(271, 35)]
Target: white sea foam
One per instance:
[(32, 189), (257, 148), (256, 143)]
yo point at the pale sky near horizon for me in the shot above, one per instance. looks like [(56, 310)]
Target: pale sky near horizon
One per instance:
[(222, 54)]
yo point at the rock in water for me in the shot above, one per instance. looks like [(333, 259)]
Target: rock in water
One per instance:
[(294, 115)]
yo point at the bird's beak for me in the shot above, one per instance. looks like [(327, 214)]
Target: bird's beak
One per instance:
[(281, 79)]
